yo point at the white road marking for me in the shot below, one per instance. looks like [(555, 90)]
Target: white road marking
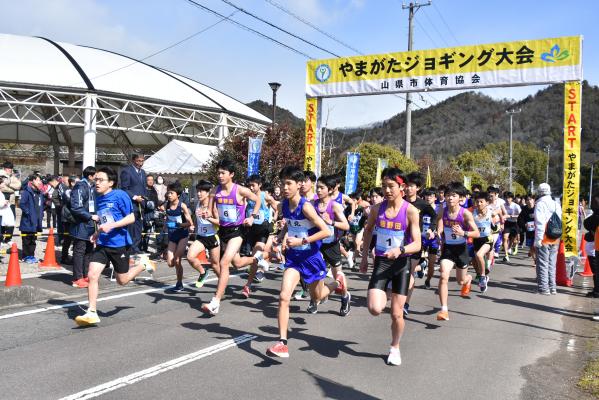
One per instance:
[(158, 369), (84, 302)]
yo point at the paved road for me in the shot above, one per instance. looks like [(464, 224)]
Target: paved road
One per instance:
[(156, 344)]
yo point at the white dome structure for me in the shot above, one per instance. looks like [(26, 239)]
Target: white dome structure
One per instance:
[(68, 95)]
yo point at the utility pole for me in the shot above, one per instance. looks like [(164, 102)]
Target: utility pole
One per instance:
[(591, 185), (548, 150), (413, 7), (511, 114)]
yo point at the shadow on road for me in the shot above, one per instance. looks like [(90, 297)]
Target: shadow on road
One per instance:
[(335, 390)]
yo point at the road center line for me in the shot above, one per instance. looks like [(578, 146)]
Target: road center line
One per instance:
[(158, 369), (84, 302)]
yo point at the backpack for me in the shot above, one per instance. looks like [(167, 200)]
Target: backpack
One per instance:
[(554, 226)]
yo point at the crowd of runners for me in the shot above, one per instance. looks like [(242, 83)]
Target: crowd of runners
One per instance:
[(400, 232)]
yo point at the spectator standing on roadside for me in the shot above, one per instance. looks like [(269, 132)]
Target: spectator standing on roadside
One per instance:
[(7, 218), (83, 210), (151, 204), (65, 217), (57, 203), (160, 188), (591, 224), (32, 214), (545, 248), (9, 186), (51, 214), (133, 181)]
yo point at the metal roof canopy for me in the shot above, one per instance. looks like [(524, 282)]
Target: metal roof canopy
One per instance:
[(63, 94)]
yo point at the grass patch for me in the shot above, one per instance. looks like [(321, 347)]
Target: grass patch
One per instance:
[(590, 378)]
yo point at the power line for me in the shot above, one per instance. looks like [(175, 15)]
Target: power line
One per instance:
[(168, 47), (435, 28), (279, 28), (247, 28), (444, 22), (426, 33), (311, 25)]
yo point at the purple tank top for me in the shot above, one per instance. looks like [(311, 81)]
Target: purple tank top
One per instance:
[(329, 210), (230, 212), (391, 232), (449, 236)]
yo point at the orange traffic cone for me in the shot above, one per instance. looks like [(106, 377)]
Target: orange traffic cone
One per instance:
[(202, 257), (561, 275), (583, 253), (50, 256), (13, 276)]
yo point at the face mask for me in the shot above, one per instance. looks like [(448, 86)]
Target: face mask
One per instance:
[(160, 181)]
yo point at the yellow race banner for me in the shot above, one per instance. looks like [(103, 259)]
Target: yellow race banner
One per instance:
[(381, 164), (311, 135), (572, 111), (487, 65)]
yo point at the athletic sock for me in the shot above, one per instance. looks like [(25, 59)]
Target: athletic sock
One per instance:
[(444, 308), (284, 341)]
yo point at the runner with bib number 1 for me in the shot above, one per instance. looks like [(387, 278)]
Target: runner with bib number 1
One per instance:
[(397, 227)]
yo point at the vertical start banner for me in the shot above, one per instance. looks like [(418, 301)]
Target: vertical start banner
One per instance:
[(572, 112), (351, 173), (311, 134), (254, 150)]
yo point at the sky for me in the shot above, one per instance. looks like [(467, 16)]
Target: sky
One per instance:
[(240, 63)]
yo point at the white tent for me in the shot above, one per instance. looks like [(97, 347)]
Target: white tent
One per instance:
[(179, 157)]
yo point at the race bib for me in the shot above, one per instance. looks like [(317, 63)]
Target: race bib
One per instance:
[(387, 239), (106, 216), (426, 223), (299, 229), (91, 206), (205, 228), (172, 221), (451, 237), (227, 212), (260, 220), (331, 237), (484, 228)]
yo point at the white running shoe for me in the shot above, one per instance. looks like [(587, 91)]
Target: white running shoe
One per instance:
[(350, 259), (213, 307), (394, 357), (264, 264)]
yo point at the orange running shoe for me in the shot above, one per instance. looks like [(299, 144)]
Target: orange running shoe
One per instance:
[(465, 289), (443, 316)]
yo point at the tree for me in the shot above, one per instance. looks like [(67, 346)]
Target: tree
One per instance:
[(281, 147), (369, 152)]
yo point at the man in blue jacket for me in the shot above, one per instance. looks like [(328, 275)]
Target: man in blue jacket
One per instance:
[(133, 181), (32, 212), (83, 210)]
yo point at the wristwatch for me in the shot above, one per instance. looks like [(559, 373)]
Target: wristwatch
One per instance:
[(304, 240), (255, 216), (402, 249)]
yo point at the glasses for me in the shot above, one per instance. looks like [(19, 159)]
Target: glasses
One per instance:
[(101, 180)]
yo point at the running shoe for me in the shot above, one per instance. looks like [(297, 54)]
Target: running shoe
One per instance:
[(553, 291), (80, 283), (258, 255), (595, 317), (264, 265), (342, 282), (259, 276), (482, 284), (87, 319), (278, 350), (202, 279), (149, 265), (212, 307), (313, 307), (443, 316), (394, 357), (476, 280), (515, 250), (350, 260), (506, 259), (420, 273), (406, 309), (345, 305), (178, 287), (427, 283), (246, 291), (465, 290), (300, 295)]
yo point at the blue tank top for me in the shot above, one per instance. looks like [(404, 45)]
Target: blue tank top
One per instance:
[(263, 212), (300, 227)]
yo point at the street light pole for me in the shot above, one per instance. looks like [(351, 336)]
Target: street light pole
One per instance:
[(274, 86), (511, 114)]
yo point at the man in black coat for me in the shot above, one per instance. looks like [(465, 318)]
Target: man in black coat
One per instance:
[(133, 181)]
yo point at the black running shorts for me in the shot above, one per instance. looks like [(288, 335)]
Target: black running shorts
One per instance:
[(118, 256), (226, 233), (209, 242), (331, 252), (457, 253), (395, 271)]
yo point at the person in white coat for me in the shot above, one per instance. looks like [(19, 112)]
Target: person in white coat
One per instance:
[(7, 218), (545, 248)]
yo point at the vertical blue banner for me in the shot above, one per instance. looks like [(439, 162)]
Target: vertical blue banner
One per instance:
[(254, 150), (351, 172)]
